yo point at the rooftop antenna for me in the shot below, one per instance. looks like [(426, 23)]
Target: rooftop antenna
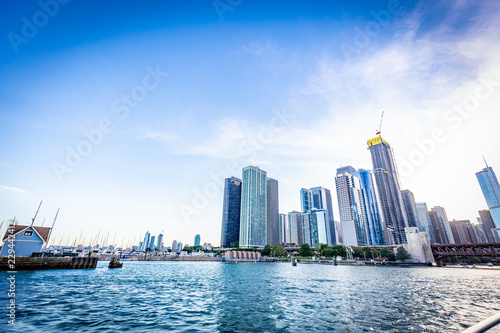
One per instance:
[(484, 158), (33, 220), (379, 130)]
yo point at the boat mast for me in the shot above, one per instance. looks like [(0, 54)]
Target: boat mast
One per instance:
[(52, 228), (33, 219)]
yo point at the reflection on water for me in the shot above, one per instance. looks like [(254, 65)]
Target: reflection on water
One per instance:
[(211, 297)]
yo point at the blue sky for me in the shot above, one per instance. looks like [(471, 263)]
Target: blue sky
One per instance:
[(296, 88)]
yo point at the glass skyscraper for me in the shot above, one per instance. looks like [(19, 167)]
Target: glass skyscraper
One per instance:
[(145, 243), (282, 232), (389, 190), (294, 230), (273, 233), (487, 225), (410, 209), (306, 200), (442, 229), (319, 218), (159, 242), (424, 222), (253, 217), (491, 191), (231, 212), (376, 233), (197, 240), (152, 243), (322, 199), (351, 203)]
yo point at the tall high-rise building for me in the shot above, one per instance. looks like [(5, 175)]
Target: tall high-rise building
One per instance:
[(424, 222), (159, 242), (306, 200), (253, 217), (320, 220), (197, 240), (442, 229), (294, 228), (389, 190), (283, 228), (322, 199), (376, 232), (463, 232), (145, 243), (410, 207), (307, 232), (273, 220), (231, 211), (174, 246), (479, 231), (487, 225), (491, 191), (351, 203), (152, 243)]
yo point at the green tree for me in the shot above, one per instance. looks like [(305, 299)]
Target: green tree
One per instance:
[(234, 244), (402, 254), (305, 250), (357, 252), (339, 250), (267, 250), (385, 253), (320, 248), (328, 252), (367, 252), (278, 251)]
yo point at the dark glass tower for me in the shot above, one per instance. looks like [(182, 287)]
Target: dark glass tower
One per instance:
[(376, 232), (231, 212), (389, 190), (487, 224), (410, 207), (273, 213)]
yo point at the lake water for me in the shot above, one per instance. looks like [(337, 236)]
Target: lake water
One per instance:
[(218, 297)]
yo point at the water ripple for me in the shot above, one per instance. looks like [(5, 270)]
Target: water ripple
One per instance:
[(216, 297)]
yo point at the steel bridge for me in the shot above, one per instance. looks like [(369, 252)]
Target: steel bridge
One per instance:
[(441, 251)]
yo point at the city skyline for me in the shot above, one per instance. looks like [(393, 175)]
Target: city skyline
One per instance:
[(296, 90)]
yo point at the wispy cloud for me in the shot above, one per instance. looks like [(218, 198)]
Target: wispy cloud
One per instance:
[(13, 189)]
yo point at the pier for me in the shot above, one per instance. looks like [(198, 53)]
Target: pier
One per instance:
[(35, 263)]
